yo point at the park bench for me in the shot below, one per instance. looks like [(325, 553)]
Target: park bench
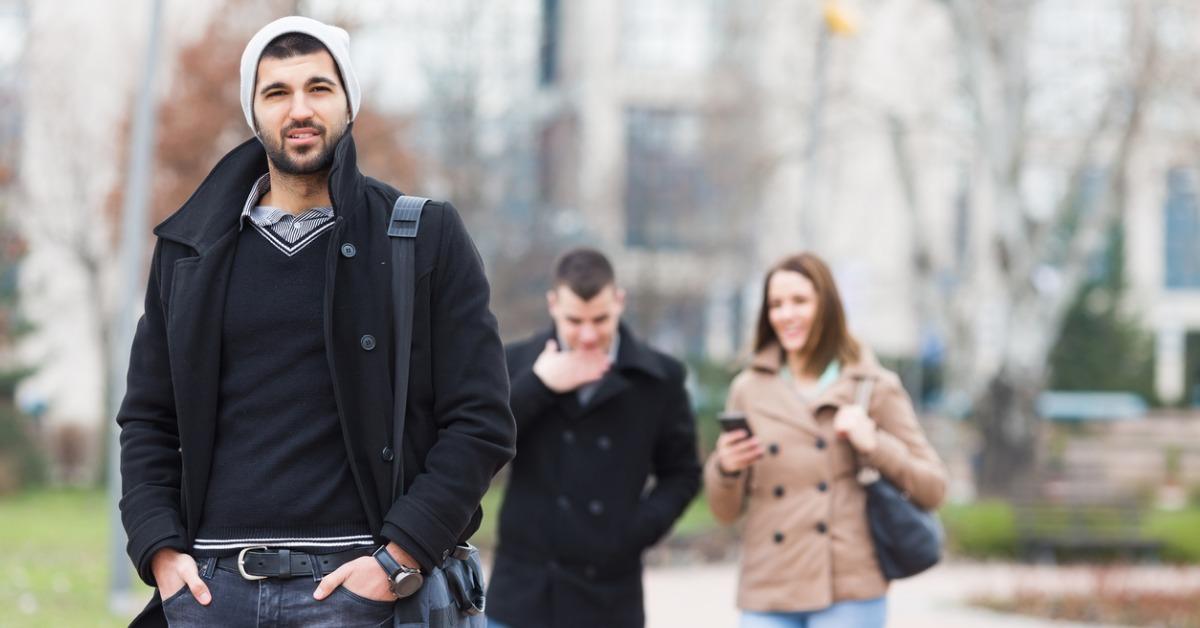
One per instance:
[(1052, 531)]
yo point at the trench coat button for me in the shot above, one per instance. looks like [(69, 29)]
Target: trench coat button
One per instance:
[(568, 437), (604, 443), (590, 571), (778, 537), (779, 491), (348, 250), (820, 443), (773, 449), (387, 454), (563, 502), (821, 527), (596, 507), (822, 486), (367, 342)]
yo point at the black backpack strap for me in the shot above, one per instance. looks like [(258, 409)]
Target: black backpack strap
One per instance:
[(402, 229)]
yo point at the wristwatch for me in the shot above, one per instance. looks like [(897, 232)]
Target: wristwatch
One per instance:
[(403, 581)]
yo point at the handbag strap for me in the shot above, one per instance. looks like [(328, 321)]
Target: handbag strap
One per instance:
[(402, 229), (862, 398)]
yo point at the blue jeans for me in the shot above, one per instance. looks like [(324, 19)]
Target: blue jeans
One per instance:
[(848, 614), (495, 624), (272, 602)]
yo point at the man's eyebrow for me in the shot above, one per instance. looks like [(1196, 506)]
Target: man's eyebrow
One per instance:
[(271, 86), (316, 80)]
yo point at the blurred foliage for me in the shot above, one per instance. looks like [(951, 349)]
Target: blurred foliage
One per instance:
[(987, 530), (984, 529), (1102, 347), (708, 384), (22, 462)]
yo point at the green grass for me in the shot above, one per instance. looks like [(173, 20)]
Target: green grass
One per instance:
[(1180, 533), (980, 530), (54, 564)]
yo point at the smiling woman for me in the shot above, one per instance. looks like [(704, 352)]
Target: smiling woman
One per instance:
[(795, 477)]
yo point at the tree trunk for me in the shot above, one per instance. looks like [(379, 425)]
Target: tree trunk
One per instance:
[(1008, 424)]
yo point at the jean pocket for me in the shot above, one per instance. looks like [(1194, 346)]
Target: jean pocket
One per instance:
[(351, 595), (184, 591)]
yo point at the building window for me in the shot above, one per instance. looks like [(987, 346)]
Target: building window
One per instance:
[(667, 194), (1182, 225), (548, 55)]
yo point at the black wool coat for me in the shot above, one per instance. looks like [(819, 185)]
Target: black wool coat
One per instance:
[(459, 430), (591, 488)]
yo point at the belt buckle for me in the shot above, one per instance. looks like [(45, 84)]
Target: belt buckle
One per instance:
[(241, 562)]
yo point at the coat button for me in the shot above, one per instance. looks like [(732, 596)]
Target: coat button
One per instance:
[(596, 507), (348, 250), (822, 528), (387, 454), (568, 437), (590, 571), (822, 486), (563, 502), (367, 342), (604, 443), (778, 537), (820, 443), (773, 449), (779, 491)]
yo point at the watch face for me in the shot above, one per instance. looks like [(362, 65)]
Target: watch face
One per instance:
[(406, 584)]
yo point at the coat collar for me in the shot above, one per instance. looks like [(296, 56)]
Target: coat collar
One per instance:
[(842, 392), (216, 205)]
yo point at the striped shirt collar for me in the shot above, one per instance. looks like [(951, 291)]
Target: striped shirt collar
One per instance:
[(266, 216)]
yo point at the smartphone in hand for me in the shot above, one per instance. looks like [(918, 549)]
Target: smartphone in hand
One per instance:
[(733, 421)]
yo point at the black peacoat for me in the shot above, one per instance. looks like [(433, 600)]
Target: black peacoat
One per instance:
[(591, 487), (459, 430)]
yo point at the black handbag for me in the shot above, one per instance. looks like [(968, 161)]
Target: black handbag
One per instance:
[(908, 539)]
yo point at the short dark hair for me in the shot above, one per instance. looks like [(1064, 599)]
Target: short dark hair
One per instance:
[(290, 45), (585, 271)]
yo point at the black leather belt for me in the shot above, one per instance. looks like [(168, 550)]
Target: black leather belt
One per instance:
[(256, 563)]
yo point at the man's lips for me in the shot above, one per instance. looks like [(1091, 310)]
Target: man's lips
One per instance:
[(302, 136)]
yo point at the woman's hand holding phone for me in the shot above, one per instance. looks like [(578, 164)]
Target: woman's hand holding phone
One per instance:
[(737, 447)]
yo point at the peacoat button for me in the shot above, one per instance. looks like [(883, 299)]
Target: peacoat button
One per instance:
[(387, 455), (348, 250), (604, 443), (821, 527), (590, 571), (568, 437), (596, 507), (820, 443), (822, 486), (779, 491), (773, 449), (778, 537), (563, 502), (552, 564), (367, 342)]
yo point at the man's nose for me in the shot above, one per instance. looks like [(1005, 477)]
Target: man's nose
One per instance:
[(301, 110), (588, 334)]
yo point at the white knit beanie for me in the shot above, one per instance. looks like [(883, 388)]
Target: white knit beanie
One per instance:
[(334, 38)]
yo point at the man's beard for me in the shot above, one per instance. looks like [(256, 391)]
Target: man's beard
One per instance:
[(286, 164)]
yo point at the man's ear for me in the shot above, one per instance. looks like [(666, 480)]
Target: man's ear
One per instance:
[(552, 300)]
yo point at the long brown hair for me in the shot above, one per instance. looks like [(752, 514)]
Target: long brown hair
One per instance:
[(829, 338)]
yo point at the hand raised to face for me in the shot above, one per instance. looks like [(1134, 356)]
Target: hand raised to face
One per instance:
[(563, 371)]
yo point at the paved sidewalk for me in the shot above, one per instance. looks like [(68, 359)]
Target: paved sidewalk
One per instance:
[(703, 595)]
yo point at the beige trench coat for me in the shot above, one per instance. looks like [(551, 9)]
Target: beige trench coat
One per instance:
[(806, 543)]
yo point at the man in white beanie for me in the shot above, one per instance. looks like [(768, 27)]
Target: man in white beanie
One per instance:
[(262, 481)]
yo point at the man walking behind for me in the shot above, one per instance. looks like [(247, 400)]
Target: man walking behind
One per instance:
[(601, 417), (256, 433)]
